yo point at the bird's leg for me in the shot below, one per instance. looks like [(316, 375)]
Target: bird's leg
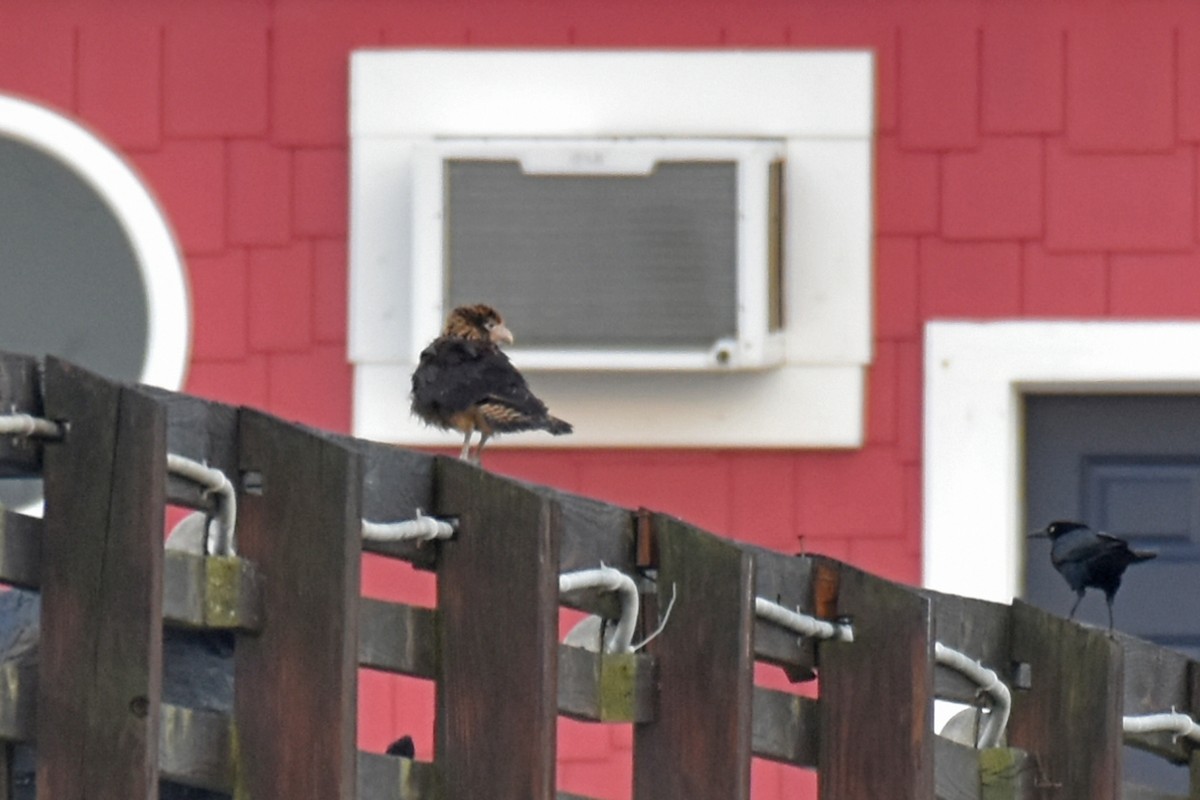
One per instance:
[(483, 437), (1078, 600), (1109, 599), (465, 455)]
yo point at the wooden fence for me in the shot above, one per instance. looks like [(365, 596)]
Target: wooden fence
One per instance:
[(93, 700)]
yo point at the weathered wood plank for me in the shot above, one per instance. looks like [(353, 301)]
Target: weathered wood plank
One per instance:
[(1156, 681), (786, 580), (202, 430), (18, 700), (975, 627), (1070, 718), (594, 532), (997, 773), (785, 727), (877, 694), (699, 744), (219, 592), (296, 682), (956, 774), (604, 687), (101, 642), (196, 748), (396, 482), (398, 638), (1007, 774), (20, 550), (20, 392), (498, 602), (1193, 708), (383, 777)]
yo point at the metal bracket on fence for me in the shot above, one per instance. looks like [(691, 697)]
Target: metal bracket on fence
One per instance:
[(420, 529), (610, 580), (802, 624), (989, 683), (15, 424), (219, 540), (1179, 724)]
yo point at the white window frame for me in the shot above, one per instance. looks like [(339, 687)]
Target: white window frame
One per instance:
[(975, 376), (820, 104), (168, 335)]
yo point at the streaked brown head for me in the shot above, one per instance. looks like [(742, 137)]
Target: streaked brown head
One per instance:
[(478, 322)]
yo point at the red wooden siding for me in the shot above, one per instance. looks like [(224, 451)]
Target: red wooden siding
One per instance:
[(1033, 160)]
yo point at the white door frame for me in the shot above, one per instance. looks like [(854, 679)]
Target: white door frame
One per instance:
[(975, 376)]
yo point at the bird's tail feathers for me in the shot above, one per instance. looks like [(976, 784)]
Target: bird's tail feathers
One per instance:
[(557, 426), (1143, 555)]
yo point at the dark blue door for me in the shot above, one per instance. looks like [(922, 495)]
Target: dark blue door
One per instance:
[(1127, 465)]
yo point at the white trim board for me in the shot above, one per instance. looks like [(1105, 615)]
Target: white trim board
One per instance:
[(821, 104), (168, 307), (975, 376)]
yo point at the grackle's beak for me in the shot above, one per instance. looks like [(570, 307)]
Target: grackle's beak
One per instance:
[(1038, 535)]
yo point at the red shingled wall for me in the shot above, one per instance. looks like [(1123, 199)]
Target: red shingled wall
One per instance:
[(1034, 159)]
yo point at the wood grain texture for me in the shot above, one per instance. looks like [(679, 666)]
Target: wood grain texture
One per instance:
[(877, 694), (786, 580), (398, 638), (975, 627), (1006, 774), (296, 682), (1193, 708), (20, 550), (384, 777), (497, 700), (215, 592), (786, 727), (1156, 681), (204, 431), (699, 744), (1069, 721), (604, 687), (396, 482), (196, 748), (957, 774), (101, 643)]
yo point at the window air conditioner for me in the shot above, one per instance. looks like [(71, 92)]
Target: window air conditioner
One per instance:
[(620, 254)]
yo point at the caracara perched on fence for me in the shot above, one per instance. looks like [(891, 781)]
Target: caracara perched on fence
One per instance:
[(464, 382)]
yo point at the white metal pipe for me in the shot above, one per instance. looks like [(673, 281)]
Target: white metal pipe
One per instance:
[(28, 425), (1173, 722), (989, 682), (220, 540), (610, 580), (802, 624), (421, 528)]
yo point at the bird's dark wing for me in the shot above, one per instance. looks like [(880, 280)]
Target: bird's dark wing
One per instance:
[(456, 375), (1090, 558)]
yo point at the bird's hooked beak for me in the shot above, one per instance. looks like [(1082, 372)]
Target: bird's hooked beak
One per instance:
[(500, 334)]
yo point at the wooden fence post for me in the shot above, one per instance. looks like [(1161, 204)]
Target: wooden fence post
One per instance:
[(101, 635), (876, 693), (1069, 720), (299, 521), (699, 744), (497, 697)]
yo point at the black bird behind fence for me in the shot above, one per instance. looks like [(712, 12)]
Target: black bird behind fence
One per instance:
[(1088, 558)]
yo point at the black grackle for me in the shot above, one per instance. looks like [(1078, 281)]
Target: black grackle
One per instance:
[(1085, 557), (402, 747)]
